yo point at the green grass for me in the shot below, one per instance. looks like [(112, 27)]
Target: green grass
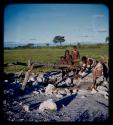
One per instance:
[(48, 55)]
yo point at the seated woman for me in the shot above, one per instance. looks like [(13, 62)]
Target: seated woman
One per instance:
[(87, 65)]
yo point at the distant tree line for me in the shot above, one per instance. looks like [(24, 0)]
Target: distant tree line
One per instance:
[(58, 40)]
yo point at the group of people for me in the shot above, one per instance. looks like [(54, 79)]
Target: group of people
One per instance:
[(89, 65), (70, 58)]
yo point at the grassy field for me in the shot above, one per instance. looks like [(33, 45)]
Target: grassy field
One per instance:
[(49, 55)]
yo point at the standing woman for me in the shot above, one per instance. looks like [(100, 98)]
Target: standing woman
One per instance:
[(67, 57), (75, 55)]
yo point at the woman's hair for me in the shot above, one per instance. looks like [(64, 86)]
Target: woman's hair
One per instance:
[(67, 51)]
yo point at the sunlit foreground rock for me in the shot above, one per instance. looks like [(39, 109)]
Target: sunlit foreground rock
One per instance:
[(48, 105)]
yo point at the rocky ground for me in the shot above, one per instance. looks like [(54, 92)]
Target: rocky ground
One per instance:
[(43, 101)]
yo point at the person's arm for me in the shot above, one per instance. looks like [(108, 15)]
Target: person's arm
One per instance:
[(78, 55), (83, 67)]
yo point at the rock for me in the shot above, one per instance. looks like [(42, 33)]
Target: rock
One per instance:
[(26, 108), (31, 79), (39, 79), (6, 81), (105, 84), (36, 92), (49, 89), (82, 92), (6, 91), (61, 91), (20, 104), (102, 88), (93, 91), (71, 73), (68, 81), (104, 93), (35, 83), (99, 80), (75, 90), (105, 96), (4, 102), (82, 97), (67, 91), (59, 95), (77, 82), (48, 105)]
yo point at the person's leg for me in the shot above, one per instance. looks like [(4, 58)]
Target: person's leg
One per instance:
[(94, 80)]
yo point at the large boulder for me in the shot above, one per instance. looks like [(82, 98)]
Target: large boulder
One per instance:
[(48, 105)]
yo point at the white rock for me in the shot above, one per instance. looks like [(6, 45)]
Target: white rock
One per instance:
[(70, 73), (26, 108), (4, 102), (83, 92), (103, 93), (105, 83), (93, 91), (67, 91), (35, 92), (68, 81), (6, 91), (49, 89), (39, 79), (100, 79), (35, 83), (5, 81), (48, 105), (61, 91), (82, 97), (58, 95), (20, 103), (77, 81), (102, 88), (74, 90), (105, 96), (32, 79)]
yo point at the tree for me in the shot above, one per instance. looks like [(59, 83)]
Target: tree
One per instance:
[(58, 39), (47, 44), (78, 45), (107, 39), (30, 45)]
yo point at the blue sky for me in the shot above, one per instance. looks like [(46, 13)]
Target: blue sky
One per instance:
[(40, 23)]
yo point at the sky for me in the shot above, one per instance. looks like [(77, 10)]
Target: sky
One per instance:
[(40, 23)]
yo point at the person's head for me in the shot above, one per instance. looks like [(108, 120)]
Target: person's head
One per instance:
[(90, 61), (67, 52), (84, 59), (62, 58), (75, 47)]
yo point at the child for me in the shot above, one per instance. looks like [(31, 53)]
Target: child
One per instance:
[(62, 60)]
